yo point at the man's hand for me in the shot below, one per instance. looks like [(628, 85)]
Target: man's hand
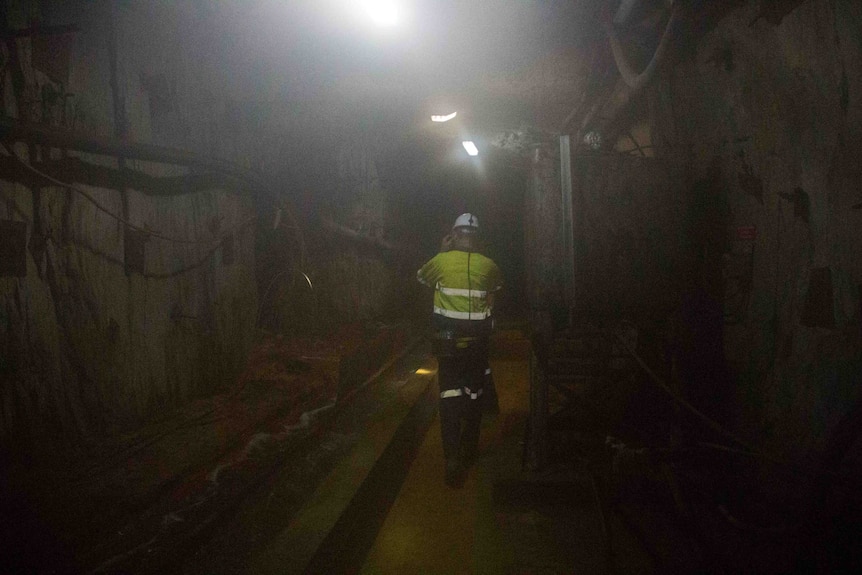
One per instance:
[(446, 244)]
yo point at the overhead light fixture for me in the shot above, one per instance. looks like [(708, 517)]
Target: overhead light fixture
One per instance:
[(471, 148), (444, 118), (382, 12)]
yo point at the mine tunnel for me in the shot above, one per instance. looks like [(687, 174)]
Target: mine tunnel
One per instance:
[(217, 353)]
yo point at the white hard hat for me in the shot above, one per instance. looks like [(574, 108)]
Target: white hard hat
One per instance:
[(467, 220)]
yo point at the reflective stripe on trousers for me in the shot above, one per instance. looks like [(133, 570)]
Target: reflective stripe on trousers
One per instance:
[(460, 392)]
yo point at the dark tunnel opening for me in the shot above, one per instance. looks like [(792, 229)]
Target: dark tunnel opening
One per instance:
[(216, 354)]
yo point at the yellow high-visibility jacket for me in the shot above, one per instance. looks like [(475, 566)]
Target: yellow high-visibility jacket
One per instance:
[(457, 293)]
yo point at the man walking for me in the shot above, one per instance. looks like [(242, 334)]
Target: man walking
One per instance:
[(464, 282)]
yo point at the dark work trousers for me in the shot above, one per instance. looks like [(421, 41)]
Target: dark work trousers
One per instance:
[(462, 380), (490, 401)]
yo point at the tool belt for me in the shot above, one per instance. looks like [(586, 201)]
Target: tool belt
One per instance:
[(447, 343)]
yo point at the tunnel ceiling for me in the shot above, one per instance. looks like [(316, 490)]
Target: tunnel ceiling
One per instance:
[(500, 64)]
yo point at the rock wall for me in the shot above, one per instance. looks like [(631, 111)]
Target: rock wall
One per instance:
[(351, 219), (105, 325), (359, 273), (767, 113)]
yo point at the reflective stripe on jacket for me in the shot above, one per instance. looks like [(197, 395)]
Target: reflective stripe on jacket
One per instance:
[(457, 294)]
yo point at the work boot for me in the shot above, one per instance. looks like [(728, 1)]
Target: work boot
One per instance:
[(454, 472)]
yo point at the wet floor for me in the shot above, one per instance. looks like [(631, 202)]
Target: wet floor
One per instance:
[(410, 521), (360, 489), (433, 528), (505, 519), (370, 497)]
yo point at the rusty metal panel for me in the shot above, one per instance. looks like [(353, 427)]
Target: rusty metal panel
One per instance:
[(13, 248), (135, 251)]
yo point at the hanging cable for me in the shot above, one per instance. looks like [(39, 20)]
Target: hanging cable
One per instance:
[(704, 418), (120, 219), (12, 129), (272, 283)]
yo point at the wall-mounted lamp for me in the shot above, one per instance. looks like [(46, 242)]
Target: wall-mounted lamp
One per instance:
[(471, 148)]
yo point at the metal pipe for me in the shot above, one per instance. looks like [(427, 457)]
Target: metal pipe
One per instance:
[(14, 130), (35, 31), (624, 12), (11, 129), (343, 231), (631, 82), (635, 80)]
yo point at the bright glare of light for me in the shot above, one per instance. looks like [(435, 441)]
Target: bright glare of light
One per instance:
[(382, 12), (423, 371), (471, 148), (443, 118)]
